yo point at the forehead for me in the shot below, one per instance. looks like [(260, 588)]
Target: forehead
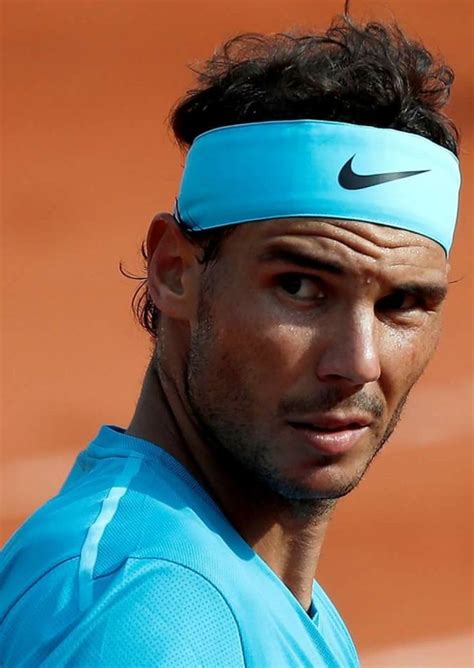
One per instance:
[(353, 242)]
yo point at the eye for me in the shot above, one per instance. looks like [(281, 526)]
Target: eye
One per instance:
[(301, 287), (400, 300)]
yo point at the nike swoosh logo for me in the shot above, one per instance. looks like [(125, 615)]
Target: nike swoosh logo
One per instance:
[(349, 180)]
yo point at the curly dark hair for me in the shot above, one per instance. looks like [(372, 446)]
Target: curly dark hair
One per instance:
[(369, 74)]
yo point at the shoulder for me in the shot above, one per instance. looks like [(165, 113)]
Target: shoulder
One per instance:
[(110, 510), (165, 613), (148, 612), (135, 556)]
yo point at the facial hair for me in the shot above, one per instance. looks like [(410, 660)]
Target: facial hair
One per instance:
[(224, 423)]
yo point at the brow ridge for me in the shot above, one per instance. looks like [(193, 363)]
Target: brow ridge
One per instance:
[(301, 259), (428, 291)]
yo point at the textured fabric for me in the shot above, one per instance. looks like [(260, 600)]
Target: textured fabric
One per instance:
[(309, 168), (133, 564)]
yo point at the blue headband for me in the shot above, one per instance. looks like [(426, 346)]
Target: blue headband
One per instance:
[(306, 168)]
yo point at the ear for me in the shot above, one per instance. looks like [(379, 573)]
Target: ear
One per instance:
[(172, 268)]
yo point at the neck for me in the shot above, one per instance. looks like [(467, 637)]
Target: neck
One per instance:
[(288, 535)]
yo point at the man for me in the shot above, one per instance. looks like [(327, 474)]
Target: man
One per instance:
[(294, 299)]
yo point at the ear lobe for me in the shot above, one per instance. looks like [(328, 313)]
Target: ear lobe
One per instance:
[(170, 261)]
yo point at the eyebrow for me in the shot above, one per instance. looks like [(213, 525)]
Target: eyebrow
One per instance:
[(431, 292), (301, 259)]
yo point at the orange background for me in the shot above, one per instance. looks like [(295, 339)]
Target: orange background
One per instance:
[(87, 162)]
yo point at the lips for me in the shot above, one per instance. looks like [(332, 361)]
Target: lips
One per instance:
[(331, 434)]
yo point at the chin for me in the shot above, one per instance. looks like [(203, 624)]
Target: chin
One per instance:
[(329, 480)]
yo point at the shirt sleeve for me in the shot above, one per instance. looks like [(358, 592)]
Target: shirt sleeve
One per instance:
[(153, 613)]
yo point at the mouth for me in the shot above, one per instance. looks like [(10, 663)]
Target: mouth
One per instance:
[(331, 436)]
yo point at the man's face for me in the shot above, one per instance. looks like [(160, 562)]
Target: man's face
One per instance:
[(308, 338)]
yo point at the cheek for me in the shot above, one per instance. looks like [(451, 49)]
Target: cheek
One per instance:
[(405, 357), (257, 351)]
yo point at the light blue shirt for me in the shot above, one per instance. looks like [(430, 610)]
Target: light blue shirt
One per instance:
[(133, 564)]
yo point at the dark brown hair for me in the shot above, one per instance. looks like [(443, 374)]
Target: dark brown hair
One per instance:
[(370, 74)]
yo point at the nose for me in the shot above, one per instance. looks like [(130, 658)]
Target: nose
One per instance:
[(351, 354)]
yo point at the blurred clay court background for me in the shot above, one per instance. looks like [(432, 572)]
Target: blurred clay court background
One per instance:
[(87, 162)]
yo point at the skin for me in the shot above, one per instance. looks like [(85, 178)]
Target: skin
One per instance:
[(255, 342)]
